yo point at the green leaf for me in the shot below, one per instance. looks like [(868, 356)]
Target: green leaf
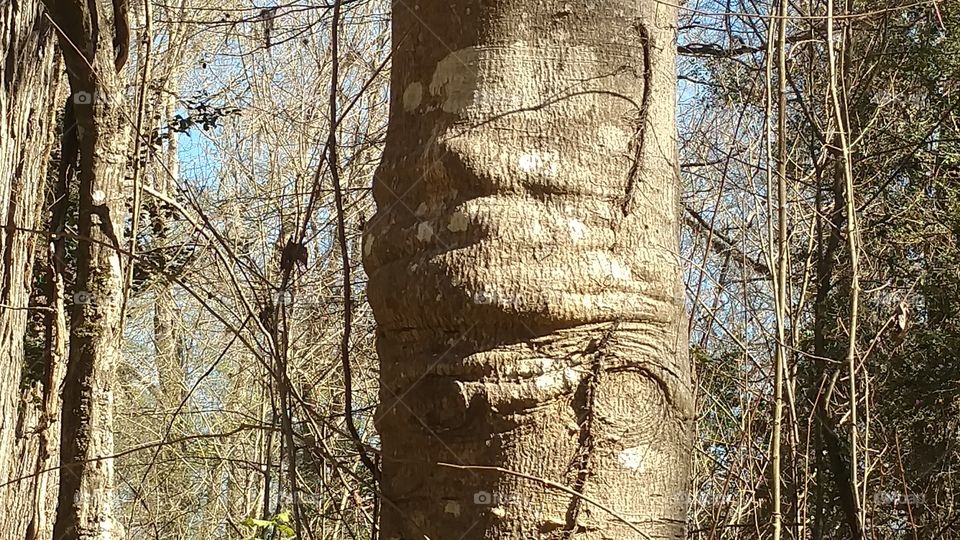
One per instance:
[(252, 522)]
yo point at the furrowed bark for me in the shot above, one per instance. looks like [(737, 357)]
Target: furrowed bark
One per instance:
[(29, 410), (100, 138), (524, 274)]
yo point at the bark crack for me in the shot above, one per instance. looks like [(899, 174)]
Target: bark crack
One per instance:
[(121, 33), (106, 225)]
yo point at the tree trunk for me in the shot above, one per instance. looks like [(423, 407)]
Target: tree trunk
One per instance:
[(166, 325), (29, 435), (95, 143), (524, 274), (169, 350)]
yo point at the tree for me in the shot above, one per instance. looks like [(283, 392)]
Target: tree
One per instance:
[(524, 275), (870, 446), (29, 400), (94, 41)]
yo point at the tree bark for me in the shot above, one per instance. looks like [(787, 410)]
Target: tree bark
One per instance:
[(524, 274), (29, 418), (94, 39)]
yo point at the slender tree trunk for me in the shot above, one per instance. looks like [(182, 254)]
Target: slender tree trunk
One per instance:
[(169, 346), (29, 409), (94, 38), (169, 339), (524, 274)]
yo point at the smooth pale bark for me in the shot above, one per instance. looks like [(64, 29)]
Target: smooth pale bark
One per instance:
[(525, 277), (29, 417), (98, 137)]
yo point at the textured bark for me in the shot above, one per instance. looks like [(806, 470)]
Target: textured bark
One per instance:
[(29, 436), (524, 274), (98, 140)]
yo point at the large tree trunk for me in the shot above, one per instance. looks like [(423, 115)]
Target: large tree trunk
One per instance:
[(29, 409), (524, 274), (93, 38)]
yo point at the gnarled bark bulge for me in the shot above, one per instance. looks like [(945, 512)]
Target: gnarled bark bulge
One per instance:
[(525, 277)]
